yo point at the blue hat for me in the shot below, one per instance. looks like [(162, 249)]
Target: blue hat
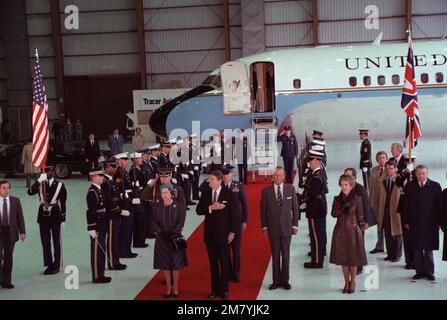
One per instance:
[(166, 185), (226, 169)]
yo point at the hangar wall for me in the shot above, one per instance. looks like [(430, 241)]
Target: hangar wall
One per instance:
[(170, 43)]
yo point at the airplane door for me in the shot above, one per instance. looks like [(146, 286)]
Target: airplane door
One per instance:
[(236, 88)]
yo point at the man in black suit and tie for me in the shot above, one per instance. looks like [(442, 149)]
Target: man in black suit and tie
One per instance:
[(221, 221), (279, 221), (92, 151), (398, 157), (12, 225)]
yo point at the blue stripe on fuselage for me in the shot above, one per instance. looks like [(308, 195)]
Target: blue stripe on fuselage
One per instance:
[(209, 109)]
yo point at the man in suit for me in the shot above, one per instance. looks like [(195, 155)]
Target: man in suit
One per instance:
[(221, 221), (97, 226), (398, 158), (422, 217), (289, 151), (365, 158), (389, 219), (116, 143), (279, 221), (240, 199), (12, 227), (92, 151), (376, 174), (51, 217)]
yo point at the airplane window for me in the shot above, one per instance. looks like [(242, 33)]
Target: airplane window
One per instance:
[(217, 82), (297, 83), (353, 81), (381, 80), (439, 77), (424, 77), (395, 79), (367, 80)]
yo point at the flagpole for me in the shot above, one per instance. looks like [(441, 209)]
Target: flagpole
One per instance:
[(410, 140)]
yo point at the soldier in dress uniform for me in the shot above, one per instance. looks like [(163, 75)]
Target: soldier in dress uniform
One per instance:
[(112, 198), (122, 180), (241, 206), (289, 151), (316, 209), (149, 168), (318, 140), (242, 152), (365, 158), (138, 181), (403, 177), (164, 161), (196, 163), (152, 191), (97, 226), (155, 155), (51, 217)]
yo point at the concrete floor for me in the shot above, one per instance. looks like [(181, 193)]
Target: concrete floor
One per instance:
[(394, 281)]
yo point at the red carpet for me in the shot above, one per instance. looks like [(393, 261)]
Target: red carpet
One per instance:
[(195, 279)]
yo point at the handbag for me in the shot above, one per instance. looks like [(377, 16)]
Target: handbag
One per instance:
[(179, 243)]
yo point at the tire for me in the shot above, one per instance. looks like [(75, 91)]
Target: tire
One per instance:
[(62, 171)]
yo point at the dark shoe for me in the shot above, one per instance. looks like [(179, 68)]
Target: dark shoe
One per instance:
[(224, 295), (212, 296), (359, 271), (175, 295), (191, 203), (273, 286), (286, 286), (351, 288), (118, 267), (309, 254), (167, 295), (102, 280), (311, 265), (130, 256), (8, 286), (431, 277), (50, 270), (395, 260), (409, 266), (388, 258), (374, 251), (418, 276), (236, 279)]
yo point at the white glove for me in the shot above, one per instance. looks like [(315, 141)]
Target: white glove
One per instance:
[(92, 234), (125, 213), (410, 167), (300, 191), (185, 176), (365, 169), (137, 184), (174, 180), (42, 177), (191, 172), (62, 226), (303, 206)]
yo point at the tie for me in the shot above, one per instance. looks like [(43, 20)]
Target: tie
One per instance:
[(215, 197), (279, 197), (91, 142), (5, 214), (421, 184), (381, 171), (388, 184)]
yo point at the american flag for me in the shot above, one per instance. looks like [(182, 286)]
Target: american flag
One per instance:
[(409, 101), (40, 118)]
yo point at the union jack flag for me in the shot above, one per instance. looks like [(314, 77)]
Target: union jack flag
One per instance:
[(409, 101), (40, 118)]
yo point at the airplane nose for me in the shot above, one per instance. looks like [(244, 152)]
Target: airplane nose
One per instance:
[(158, 120)]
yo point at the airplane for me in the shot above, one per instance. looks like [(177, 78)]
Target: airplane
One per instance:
[(335, 89)]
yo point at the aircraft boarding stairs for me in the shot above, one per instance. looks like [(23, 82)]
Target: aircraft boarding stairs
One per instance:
[(264, 149)]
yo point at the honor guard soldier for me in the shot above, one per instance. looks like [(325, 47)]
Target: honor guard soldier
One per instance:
[(97, 226), (318, 140), (365, 157), (155, 155), (112, 198), (164, 160), (403, 177), (138, 183), (124, 185), (152, 191), (196, 163), (289, 151), (51, 217), (241, 207), (242, 152), (184, 170), (149, 168), (316, 210)]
